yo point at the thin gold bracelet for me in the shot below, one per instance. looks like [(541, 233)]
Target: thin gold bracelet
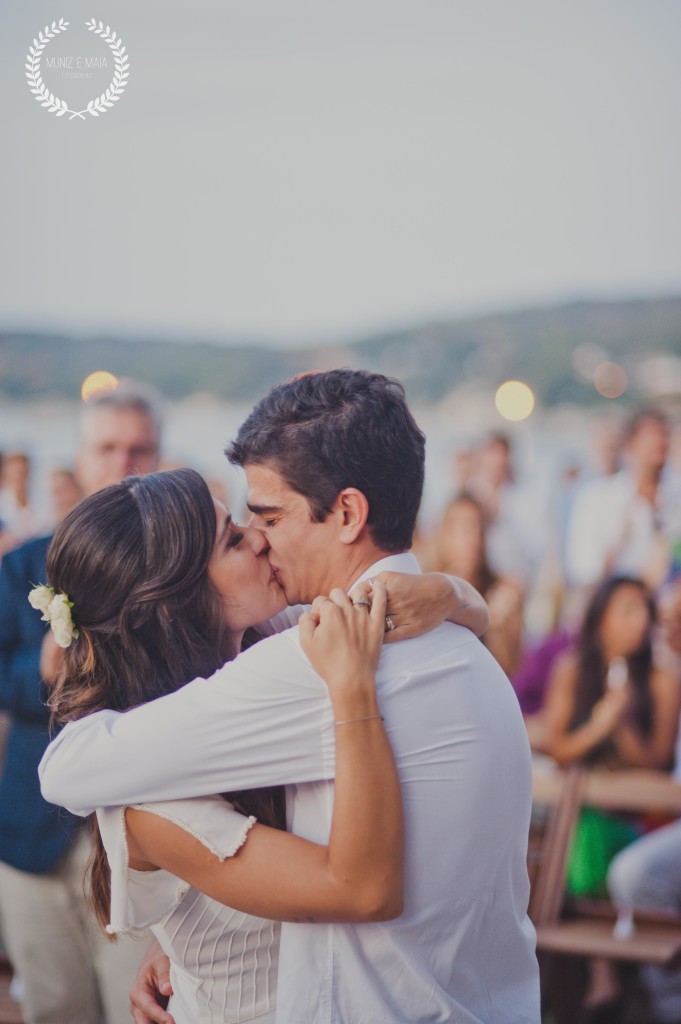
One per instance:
[(367, 718)]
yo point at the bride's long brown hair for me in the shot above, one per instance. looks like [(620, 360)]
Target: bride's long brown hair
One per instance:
[(133, 559)]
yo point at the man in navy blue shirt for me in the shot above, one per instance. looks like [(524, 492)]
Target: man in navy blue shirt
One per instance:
[(68, 970)]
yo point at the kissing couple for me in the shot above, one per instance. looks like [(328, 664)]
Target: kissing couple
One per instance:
[(195, 686)]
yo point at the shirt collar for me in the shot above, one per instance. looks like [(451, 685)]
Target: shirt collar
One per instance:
[(404, 562)]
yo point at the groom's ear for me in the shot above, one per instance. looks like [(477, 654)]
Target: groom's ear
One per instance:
[(352, 509)]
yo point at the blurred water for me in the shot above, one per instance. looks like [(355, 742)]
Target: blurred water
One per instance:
[(197, 429)]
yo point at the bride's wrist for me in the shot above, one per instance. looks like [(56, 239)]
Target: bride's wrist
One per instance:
[(358, 718), (354, 705)]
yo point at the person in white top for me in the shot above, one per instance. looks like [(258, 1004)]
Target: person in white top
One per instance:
[(18, 514), (626, 523), (334, 463)]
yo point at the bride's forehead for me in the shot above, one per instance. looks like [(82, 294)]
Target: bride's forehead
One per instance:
[(223, 519)]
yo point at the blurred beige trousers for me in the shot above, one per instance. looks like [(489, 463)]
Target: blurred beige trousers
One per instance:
[(70, 971)]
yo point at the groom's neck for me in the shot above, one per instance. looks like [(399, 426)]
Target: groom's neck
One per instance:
[(355, 561)]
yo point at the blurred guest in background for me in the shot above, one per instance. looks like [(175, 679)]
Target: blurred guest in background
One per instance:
[(15, 477), (609, 704), (531, 683), (65, 492), (492, 472), (647, 874), (607, 440), (68, 971), (516, 524), (18, 516), (7, 539), (463, 467), (461, 550), (548, 605), (628, 522), (491, 480)]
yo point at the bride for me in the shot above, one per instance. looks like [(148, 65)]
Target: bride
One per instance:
[(151, 585)]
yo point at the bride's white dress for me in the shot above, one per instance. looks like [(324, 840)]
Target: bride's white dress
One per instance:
[(223, 964)]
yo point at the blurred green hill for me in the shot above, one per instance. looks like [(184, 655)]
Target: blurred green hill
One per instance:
[(552, 349)]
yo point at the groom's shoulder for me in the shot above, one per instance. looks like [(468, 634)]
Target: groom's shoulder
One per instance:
[(282, 652), (448, 639), (276, 665), (448, 647)]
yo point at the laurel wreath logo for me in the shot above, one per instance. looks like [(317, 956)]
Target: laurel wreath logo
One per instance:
[(95, 107)]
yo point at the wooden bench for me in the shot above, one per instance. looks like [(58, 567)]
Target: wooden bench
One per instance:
[(586, 928)]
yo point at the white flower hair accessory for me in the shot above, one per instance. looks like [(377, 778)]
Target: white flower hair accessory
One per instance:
[(56, 609)]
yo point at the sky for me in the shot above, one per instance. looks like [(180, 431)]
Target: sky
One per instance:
[(301, 171)]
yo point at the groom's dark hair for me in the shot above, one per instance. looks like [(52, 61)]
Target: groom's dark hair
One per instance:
[(342, 428)]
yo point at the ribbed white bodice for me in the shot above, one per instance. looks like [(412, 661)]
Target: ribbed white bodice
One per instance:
[(223, 962)]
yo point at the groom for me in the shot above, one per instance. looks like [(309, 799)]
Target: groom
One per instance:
[(334, 463)]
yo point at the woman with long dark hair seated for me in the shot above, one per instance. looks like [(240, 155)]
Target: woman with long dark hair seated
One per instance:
[(609, 705), (152, 584)]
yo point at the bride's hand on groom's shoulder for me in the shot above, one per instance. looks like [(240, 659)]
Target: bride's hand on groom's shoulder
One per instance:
[(343, 639), (418, 603)]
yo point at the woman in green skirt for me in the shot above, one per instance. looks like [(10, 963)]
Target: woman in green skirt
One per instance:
[(608, 705)]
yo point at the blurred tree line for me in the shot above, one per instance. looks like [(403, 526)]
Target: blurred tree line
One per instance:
[(543, 347)]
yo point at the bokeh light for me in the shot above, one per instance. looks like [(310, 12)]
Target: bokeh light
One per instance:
[(514, 400), (610, 380), (585, 359), (100, 380)]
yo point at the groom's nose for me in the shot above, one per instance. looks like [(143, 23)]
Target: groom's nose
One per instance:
[(257, 540)]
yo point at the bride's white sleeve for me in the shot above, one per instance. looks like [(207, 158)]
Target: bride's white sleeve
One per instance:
[(261, 720), (140, 899)]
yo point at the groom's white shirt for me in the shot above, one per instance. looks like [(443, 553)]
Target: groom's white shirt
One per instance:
[(464, 949)]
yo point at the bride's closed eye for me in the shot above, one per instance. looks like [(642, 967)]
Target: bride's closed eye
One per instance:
[(235, 538)]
